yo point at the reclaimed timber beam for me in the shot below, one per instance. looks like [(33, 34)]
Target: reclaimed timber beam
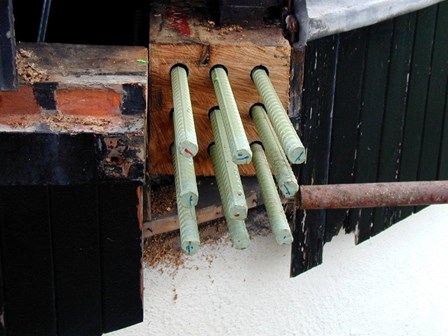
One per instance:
[(209, 207), (182, 35), (80, 110)]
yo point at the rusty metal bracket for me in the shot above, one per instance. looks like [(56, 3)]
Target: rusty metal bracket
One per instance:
[(371, 195)]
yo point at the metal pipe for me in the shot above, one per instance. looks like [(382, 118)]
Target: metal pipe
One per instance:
[(43, 23), (272, 202), (184, 131), (229, 183), (238, 233), (281, 168), (291, 143), (184, 179), (239, 145), (189, 232), (371, 195)]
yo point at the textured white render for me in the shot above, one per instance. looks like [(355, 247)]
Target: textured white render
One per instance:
[(393, 284)]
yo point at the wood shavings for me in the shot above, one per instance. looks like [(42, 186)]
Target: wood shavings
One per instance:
[(28, 71), (61, 122), (163, 200)]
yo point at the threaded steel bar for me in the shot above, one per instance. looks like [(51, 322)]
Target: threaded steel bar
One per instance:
[(229, 182), (238, 233), (371, 195), (291, 143), (239, 146), (184, 179), (281, 168), (272, 202), (189, 232), (185, 133)]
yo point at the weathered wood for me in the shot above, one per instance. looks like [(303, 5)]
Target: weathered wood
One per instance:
[(394, 113), (76, 257), (316, 124), (74, 89), (374, 95), (443, 161), (120, 216), (435, 104), (416, 105), (27, 261), (208, 208), (347, 104), (177, 38)]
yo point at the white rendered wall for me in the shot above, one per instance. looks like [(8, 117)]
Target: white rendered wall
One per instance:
[(394, 284)]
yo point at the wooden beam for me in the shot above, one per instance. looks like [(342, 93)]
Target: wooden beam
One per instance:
[(209, 207), (179, 35)]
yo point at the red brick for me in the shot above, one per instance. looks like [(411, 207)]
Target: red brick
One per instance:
[(19, 102), (88, 101)]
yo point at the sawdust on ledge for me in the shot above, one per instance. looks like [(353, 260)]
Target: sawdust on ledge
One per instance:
[(61, 122), (28, 71)]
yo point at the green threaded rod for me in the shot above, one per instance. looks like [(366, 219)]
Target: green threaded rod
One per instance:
[(286, 133), (238, 233), (184, 178), (185, 134), (189, 233), (281, 168), (229, 183), (274, 208), (239, 146)]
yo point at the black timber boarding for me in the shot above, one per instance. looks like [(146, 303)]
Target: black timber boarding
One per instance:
[(70, 245), (8, 71), (373, 109)]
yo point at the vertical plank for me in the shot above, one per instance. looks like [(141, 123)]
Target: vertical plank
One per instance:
[(347, 104), (374, 94), (435, 105), (2, 293), (119, 206), (443, 162), (417, 94), (27, 261), (394, 113), (76, 252), (317, 113)]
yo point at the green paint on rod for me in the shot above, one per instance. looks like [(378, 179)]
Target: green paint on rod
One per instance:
[(289, 139), (238, 233), (238, 143), (184, 130), (227, 174), (189, 232), (185, 179), (272, 202), (281, 168)]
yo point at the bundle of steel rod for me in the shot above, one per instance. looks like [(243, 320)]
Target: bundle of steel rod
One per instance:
[(182, 151)]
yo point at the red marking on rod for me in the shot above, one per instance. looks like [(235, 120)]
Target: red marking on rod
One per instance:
[(188, 152), (237, 215)]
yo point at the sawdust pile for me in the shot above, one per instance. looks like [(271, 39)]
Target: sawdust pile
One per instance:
[(163, 200), (163, 252), (61, 122), (28, 71)]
